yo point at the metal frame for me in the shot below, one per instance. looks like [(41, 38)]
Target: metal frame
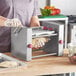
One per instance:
[(22, 37), (65, 26)]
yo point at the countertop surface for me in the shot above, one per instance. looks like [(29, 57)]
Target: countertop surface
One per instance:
[(42, 66)]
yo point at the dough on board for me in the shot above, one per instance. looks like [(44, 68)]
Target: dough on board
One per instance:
[(9, 64)]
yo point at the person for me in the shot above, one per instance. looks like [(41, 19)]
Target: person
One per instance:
[(26, 11)]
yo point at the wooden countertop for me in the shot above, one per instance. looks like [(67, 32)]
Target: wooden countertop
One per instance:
[(42, 66)]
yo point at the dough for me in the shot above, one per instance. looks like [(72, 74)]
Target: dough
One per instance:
[(39, 42), (9, 64)]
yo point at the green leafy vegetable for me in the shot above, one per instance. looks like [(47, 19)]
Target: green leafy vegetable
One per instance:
[(45, 12)]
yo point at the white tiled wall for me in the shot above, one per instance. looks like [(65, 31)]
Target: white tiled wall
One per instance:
[(42, 3)]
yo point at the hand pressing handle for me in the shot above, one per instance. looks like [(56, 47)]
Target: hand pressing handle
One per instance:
[(10, 22), (13, 23), (2, 20)]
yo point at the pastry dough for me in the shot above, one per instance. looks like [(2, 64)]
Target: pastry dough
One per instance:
[(39, 42), (9, 64)]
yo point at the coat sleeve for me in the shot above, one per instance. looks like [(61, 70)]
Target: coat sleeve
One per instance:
[(36, 8)]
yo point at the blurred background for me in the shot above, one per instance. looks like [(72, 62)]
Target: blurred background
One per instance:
[(68, 7)]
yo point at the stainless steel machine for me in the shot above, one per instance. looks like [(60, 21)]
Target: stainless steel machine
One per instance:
[(21, 40), (72, 29), (72, 33)]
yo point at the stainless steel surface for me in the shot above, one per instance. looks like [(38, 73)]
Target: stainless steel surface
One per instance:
[(72, 33), (39, 32), (44, 55)]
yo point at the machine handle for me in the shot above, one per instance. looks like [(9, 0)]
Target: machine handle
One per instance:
[(29, 45), (46, 28), (17, 29), (50, 29), (61, 41)]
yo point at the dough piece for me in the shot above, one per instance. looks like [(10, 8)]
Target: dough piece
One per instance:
[(9, 64), (39, 42)]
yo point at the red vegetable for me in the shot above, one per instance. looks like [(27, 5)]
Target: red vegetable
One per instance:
[(47, 7), (53, 12), (57, 11)]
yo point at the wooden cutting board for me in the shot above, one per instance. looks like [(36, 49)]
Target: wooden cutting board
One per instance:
[(43, 66)]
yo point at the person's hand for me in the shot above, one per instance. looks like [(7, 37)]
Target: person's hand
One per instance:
[(10, 22), (2, 20), (13, 23), (34, 22), (39, 42)]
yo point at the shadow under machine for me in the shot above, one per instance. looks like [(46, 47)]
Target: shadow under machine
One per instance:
[(61, 74), (21, 40)]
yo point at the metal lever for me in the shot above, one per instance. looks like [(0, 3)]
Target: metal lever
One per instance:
[(17, 30)]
